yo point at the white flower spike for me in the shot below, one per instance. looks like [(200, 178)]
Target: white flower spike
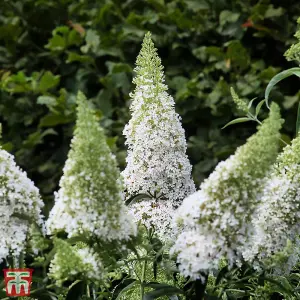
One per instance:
[(277, 223), (157, 163), (216, 219), (20, 206)]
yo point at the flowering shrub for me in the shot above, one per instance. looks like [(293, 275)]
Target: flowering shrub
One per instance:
[(234, 238)]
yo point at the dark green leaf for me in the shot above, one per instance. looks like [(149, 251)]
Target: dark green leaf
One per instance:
[(281, 284), (127, 288), (48, 81), (137, 197), (111, 141), (76, 290), (53, 120), (7, 147), (210, 297), (56, 43), (73, 56), (161, 290), (238, 55), (221, 275)]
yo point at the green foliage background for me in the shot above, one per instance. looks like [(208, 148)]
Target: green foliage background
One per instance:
[(50, 49)]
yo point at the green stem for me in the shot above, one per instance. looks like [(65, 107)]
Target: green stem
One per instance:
[(88, 293), (143, 279), (14, 263), (283, 141), (94, 293), (50, 286), (21, 260)]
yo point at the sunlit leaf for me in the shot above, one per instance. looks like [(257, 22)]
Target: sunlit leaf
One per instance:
[(277, 78), (238, 120)]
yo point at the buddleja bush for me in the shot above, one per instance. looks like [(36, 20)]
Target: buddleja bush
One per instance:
[(236, 237)]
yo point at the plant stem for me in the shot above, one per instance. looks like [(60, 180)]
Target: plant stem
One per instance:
[(50, 286), (143, 279), (88, 291), (21, 260), (94, 293)]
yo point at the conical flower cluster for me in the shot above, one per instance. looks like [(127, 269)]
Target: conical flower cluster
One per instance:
[(216, 218), (277, 222), (20, 206), (294, 52), (71, 261), (157, 163), (89, 201)]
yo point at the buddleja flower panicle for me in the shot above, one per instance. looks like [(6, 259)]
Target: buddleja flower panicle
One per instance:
[(90, 200), (70, 261), (216, 220), (20, 206), (156, 160), (293, 53), (277, 217), (241, 104)]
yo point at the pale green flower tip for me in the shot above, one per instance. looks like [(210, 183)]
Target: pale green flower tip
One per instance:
[(148, 40), (80, 96), (275, 112), (241, 105), (274, 121), (82, 106), (274, 107), (70, 261), (84, 111), (148, 57), (147, 36), (293, 53), (80, 99)]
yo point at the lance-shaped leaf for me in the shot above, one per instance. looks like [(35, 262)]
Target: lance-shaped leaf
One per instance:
[(277, 78)]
